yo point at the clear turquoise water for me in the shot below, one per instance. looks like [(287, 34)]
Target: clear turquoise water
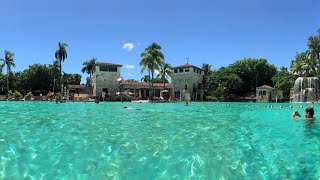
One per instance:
[(161, 141)]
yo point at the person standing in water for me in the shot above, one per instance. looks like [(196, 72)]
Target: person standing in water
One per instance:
[(308, 114)]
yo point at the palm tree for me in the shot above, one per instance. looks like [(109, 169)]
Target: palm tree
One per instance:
[(146, 78), (88, 66), (61, 55), (54, 67), (152, 59), (165, 72), (314, 50), (207, 72), (9, 62), (298, 66)]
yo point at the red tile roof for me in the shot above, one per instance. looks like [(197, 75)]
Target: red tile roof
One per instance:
[(265, 87), (144, 84), (76, 86)]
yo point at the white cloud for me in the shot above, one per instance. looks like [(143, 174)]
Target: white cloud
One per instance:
[(156, 72), (128, 66), (128, 46)]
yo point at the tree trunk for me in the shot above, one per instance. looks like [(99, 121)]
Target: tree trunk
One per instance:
[(149, 87), (152, 84), (60, 82), (8, 78), (164, 85), (54, 84)]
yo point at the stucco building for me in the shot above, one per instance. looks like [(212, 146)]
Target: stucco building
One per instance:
[(187, 82), (105, 77), (105, 82), (141, 90), (267, 93)]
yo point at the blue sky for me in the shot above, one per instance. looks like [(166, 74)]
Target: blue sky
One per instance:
[(205, 31)]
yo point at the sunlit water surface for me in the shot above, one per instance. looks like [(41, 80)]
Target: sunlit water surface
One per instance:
[(161, 141)]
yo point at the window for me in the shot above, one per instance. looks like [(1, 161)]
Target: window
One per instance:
[(108, 69), (197, 71), (185, 87), (175, 70), (113, 69), (180, 70), (194, 70), (102, 68), (186, 70)]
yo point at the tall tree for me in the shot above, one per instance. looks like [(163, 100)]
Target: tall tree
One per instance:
[(9, 62), (71, 79), (207, 73), (152, 59), (166, 71), (61, 55), (88, 65), (284, 81), (314, 50), (254, 72), (298, 66), (54, 68)]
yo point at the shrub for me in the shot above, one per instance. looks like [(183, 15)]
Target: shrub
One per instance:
[(50, 95), (17, 94), (28, 95)]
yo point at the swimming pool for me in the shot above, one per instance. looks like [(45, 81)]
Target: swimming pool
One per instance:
[(161, 141)]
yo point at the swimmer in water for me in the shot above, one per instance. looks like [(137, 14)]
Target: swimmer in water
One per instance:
[(308, 114), (129, 108)]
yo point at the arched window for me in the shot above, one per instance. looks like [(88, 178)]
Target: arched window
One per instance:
[(264, 92)]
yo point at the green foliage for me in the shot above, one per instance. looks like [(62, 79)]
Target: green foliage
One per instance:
[(152, 59), (28, 95), (254, 73), (207, 73), (225, 82), (51, 95), (61, 55), (284, 80), (9, 62), (132, 80), (165, 72), (36, 77), (307, 64), (88, 66), (160, 80), (146, 78), (71, 79), (241, 77), (206, 79), (17, 94), (58, 95)]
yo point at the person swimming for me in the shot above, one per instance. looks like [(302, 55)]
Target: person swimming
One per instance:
[(129, 108)]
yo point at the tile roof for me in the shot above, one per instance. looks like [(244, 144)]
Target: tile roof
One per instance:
[(76, 86), (107, 64), (265, 87), (185, 66), (144, 84)]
